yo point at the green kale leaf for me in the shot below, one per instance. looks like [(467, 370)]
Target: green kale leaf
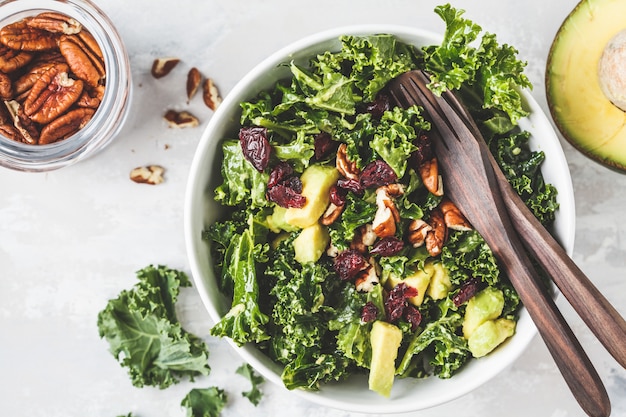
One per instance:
[(301, 339), (254, 395), (144, 334), (243, 184), (298, 151), (373, 61), (204, 402), (394, 136), (466, 254), (244, 322), (353, 337), (357, 212), (522, 168), (489, 76), (446, 350)]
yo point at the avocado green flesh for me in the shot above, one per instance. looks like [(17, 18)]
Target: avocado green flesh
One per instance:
[(584, 115)]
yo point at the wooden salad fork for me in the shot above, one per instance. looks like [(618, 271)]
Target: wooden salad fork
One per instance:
[(471, 183), (592, 306), (595, 310)]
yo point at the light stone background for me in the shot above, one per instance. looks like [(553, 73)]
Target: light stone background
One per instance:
[(72, 239)]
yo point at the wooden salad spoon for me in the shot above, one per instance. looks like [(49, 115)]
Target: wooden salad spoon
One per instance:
[(592, 306), (471, 183)]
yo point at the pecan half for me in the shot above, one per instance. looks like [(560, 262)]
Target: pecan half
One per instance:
[(52, 95), (9, 131), (363, 237), (91, 97), (65, 126), (417, 231), (436, 238), (84, 56), (394, 190), (151, 174), (429, 172), (346, 167), (20, 36), (366, 279), (210, 94), (24, 125), (331, 214), (384, 223), (163, 66), (12, 60), (181, 119), (5, 116), (28, 79), (55, 23), (453, 217), (194, 79), (6, 87)]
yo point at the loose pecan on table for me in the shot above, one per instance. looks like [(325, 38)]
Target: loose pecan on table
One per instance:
[(151, 174), (52, 78), (210, 94), (163, 66)]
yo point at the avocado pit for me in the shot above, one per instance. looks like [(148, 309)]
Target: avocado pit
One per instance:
[(612, 70)]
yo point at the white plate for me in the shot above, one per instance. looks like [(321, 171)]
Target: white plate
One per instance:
[(201, 210)]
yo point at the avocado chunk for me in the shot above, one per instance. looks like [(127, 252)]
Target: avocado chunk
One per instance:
[(311, 243), (385, 339), (276, 221), (484, 306), (440, 284), (586, 81), (316, 183), (490, 335), (419, 280)]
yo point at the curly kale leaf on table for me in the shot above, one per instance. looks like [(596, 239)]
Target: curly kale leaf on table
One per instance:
[(204, 402), (144, 334), (255, 394)]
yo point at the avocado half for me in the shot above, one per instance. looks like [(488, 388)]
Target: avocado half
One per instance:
[(582, 111)]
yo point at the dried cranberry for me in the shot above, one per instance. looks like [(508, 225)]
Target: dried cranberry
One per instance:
[(349, 263), (281, 171), (350, 185), (295, 183), (396, 301), (378, 173), (255, 146), (323, 144), (413, 316), (424, 150), (468, 289), (380, 105), (387, 246), (337, 195), (369, 312), (285, 196)]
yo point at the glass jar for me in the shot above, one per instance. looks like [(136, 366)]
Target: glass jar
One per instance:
[(110, 115)]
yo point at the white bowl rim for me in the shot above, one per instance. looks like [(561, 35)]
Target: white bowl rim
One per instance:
[(366, 401)]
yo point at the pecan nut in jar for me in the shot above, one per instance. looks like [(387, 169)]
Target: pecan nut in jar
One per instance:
[(52, 78), (66, 125), (22, 37), (84, 57), (52, 95), (55, 23)]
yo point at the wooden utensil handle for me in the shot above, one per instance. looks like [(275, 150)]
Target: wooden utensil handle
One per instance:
[(591, 305), (594, 309), (568, 354)]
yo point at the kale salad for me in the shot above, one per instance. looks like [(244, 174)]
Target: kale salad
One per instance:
[(339, 249)]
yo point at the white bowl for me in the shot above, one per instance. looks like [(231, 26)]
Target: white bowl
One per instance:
[(201, 210)]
